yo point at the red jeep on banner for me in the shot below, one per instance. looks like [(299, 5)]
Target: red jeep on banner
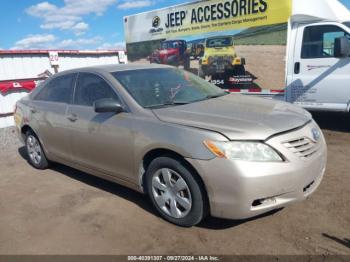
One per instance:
[(172, 52)]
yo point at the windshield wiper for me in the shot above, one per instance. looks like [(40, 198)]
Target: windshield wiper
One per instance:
[(216, 96), (179, 103), (168, 103)]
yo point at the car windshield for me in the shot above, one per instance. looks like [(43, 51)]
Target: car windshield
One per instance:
[(167, 45), (219, 42), (164, 87)]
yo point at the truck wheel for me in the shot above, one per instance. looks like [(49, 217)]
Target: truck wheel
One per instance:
[(187, 63), (35, 151), (175, 192)]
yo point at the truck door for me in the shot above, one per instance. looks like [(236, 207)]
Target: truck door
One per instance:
[(320, 80)]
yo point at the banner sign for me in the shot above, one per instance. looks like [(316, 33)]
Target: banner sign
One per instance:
[(234, 44), (205, 17)]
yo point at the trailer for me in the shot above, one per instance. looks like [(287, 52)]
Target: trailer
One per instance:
[(22, 70)]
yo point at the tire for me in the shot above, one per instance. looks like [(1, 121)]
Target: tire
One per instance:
[(239, 70), (187, 63), (35, 152), (201, 73), (180, 199)]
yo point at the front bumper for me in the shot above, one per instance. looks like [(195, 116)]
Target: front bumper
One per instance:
[(240, 189), (216, 68)]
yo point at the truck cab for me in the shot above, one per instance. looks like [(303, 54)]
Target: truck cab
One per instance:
[(318, 58)]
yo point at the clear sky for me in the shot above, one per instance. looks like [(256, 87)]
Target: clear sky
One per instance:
[(71, 24)]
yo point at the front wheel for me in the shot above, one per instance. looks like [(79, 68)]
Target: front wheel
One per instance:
[(175, 192), (201, 73), (239, 70), (35, 152)]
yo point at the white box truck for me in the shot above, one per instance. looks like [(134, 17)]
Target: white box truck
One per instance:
[(318, 56), (296, 50)]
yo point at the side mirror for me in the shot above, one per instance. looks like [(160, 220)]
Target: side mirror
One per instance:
[(108, 106), (341, 47)]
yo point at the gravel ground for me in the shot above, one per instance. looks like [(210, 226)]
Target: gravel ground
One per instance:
[(8, 140), (65, 211)]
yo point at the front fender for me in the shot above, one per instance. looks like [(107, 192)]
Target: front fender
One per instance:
[(183, 140)]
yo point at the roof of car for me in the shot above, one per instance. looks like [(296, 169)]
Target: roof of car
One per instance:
[(114, 68)]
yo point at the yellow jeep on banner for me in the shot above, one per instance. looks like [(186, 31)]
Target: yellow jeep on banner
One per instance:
[(220, 57)]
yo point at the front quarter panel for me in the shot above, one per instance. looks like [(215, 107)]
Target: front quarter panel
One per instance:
[(152, 134), (187, 141)]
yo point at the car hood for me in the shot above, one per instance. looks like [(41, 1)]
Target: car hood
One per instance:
[(237, 117)]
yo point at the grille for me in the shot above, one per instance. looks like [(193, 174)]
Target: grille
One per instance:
[(218, 59), (302, 147), (222, 59)]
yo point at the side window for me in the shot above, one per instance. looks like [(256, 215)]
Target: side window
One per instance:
[(91, 88), (318, 41), (58, 89)]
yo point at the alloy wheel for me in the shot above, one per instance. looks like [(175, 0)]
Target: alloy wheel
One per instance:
[(34, 149), (171, 193)]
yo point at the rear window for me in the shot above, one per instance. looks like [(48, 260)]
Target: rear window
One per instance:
[(173, 44), (58, 90)]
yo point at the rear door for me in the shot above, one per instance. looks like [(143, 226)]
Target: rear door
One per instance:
[(320, 80), (48, 115), (100, 141)]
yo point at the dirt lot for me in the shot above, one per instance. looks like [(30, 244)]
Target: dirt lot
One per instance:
[(65, 211), (266, 63)]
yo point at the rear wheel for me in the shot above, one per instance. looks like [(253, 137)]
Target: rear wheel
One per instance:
[(35, 152), (175, 192)]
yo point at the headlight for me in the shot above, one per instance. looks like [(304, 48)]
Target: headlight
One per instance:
[(246, 151)]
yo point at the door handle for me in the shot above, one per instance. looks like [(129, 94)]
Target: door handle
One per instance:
[(72, 117), (297, 68)]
